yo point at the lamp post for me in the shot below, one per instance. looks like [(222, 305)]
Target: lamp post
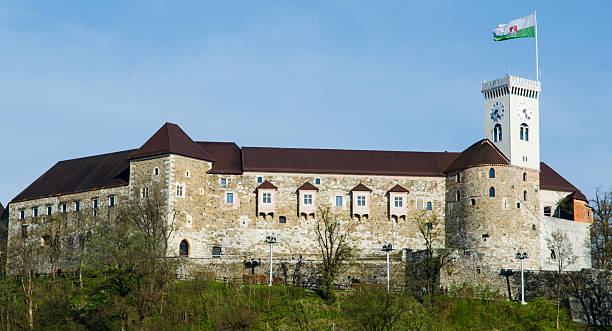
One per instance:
[(271, 239), (522, 257), (387, 248)]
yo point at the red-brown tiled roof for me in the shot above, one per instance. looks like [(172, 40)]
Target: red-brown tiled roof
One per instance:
[(361, 188), (226, 155), (552, 181), (170, 138), (307, 187), (266, 185), (79, 175), (398, 188), (340, 161), (482, 152)]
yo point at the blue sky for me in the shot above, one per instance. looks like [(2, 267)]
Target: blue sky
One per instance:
[(81, 78)]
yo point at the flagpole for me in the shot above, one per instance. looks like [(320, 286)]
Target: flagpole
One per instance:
[(535, 18)]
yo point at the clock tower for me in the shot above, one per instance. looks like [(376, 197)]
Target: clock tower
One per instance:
[(512, 119)]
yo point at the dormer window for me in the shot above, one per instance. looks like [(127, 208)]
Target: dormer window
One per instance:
[(398, 198), (266, 202), (361, 200), (307, 196)]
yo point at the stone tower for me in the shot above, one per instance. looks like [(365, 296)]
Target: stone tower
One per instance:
[(511, 119)]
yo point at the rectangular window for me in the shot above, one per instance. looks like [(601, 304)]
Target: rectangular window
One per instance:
[(547, 210), (223, 181), (95, 212), (179, 190), (63, 207), (361, 201), (49, 210), (94, 203), (428, 205), (308, 199), (24, 230), (338, 201), (282, 219), (420, 203), (267, 198), (216, 252), (229, 198), (398, 202), (21, 214), (260, 179), (35, 212), (77, 205), (111, 200)]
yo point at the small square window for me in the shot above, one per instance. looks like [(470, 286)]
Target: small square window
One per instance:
[(63, 207), (229, 198), (398, 202), (223, 181), (361, 201), (111, 201), (216, 252), (338, 201), (317, 181), (267, 198), (35, 212), (547, 210), (49, 210), (21, 214), (77, 205), (308, 199), (282, 219), (260, 179)]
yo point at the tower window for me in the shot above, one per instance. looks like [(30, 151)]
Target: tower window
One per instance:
[(184, 248), (458, 195), (497, 133), (524, 176), (491, 173), (156, 171), (492, 192), (524, 195), (524, 132)]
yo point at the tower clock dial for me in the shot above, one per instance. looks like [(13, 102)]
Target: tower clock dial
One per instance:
[(497, 111), (524, 111)]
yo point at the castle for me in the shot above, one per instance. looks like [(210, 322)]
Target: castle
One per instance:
[(493, 198)]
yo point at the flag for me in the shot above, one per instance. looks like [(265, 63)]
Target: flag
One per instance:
[(519, 28)]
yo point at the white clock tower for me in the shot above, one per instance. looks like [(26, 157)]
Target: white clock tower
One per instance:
[(512, 119)]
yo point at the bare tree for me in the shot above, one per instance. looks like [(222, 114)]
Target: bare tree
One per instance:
[(25, 257), (82, 227), (53, 231), (335, 248), (562, 256), (601, 230), (435, 257)]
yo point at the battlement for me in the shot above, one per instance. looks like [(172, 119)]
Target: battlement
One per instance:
[(511, 81)]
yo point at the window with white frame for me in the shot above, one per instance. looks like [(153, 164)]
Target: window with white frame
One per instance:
[(21, 214), (266, 198), (419, 202), (179, 191), (35, 212), (49, 210), (361, 201), (111, 200), (308, 199), (398, 202), (94, 203), (77, 205), (229, 198), (338, 201), (63, 207)]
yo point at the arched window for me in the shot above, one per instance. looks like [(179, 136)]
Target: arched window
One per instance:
[(524, 195), (492, 192), (491, 173), (497, 133), (184, 248), (524, 132), (524, 176), (458, 195)]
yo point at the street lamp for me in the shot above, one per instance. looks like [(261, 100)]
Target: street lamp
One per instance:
[(271, 239), (522, 257), (387, 248)]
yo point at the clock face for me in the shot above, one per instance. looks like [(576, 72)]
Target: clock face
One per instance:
[(497, 111), (524, 111)]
